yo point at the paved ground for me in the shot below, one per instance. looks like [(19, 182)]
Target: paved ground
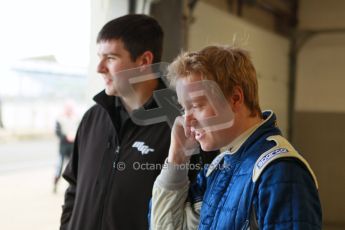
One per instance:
[(26, 175), (27, 201)]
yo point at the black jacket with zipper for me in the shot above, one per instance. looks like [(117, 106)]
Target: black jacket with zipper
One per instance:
[(106, 189)]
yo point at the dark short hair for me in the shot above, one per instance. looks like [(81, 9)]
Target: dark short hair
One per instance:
[(138, 32)]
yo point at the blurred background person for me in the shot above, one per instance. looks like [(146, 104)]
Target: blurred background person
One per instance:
[(66, 128)]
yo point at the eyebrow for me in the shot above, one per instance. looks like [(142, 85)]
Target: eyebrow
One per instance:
[(195, 99), (199, 98), (108, 54)]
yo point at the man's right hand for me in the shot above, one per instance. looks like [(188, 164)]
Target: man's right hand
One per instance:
[(183, 143)]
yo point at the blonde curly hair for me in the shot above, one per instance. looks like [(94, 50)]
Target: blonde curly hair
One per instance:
[(227, 66)]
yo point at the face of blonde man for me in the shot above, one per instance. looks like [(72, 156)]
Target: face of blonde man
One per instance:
[(207, 119)]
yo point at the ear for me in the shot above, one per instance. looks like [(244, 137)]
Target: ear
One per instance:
[(145, 59), (236, 99)]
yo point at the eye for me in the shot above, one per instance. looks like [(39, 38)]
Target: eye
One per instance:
[(196, 105), (111, 57)]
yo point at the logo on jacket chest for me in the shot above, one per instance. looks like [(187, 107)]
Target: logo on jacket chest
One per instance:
[(141, 147), (270, 155)]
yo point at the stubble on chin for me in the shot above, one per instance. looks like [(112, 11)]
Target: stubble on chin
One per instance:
[(110, 92)]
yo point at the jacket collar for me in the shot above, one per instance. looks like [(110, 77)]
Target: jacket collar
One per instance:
[(269, 122), (247, 138)]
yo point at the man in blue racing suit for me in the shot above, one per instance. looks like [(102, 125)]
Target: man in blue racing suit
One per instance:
[(259, 181)]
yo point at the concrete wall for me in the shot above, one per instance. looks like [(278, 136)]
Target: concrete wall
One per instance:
[(320, 107), (269, 52)]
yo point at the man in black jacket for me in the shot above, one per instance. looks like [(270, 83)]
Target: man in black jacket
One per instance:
[(105, 190), (110, 174)]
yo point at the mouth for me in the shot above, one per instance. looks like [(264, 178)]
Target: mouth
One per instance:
[(108, 82), (198, 133)]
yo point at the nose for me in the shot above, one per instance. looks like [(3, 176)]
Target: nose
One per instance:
[(101, 68), (189, 118)]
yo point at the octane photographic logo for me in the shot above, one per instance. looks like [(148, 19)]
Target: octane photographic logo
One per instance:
[(168, 107)]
